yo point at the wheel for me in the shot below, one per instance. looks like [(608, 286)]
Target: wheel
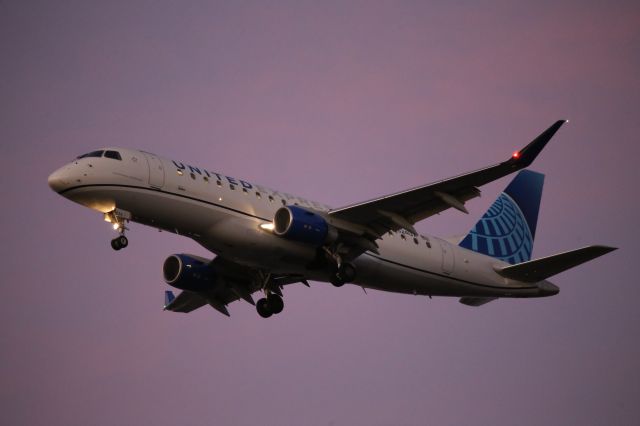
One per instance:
[(347, 272), (262, 306), (115, 244), (336, 280), (275, 303), (123, 241)]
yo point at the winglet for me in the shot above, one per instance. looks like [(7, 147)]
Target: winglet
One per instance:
[(526, 155)]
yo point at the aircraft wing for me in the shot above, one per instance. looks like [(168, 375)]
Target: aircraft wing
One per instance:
[(403, 209)]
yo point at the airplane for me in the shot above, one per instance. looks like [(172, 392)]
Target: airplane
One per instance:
[(264, 240)]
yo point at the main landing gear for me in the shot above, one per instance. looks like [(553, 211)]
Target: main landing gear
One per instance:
[(344, 273), (118, 218), (341, 272), (272, 303)]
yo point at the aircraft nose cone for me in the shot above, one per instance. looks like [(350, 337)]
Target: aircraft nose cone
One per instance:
[(56, 180)]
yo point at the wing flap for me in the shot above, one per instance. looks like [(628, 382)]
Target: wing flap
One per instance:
[(541, 269)]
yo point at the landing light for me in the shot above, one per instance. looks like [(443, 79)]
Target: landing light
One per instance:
[(267, 226), (116, 226), (516, 155)]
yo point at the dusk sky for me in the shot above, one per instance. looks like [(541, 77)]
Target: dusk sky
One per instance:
[(337, 102)]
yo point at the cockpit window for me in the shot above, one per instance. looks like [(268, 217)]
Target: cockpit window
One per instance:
[(113, 154), (91, 154)]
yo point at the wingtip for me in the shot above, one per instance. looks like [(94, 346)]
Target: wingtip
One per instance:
[(607, 249), (526, 155)]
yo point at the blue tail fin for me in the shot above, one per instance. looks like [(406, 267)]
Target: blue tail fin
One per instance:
[(508, 228)]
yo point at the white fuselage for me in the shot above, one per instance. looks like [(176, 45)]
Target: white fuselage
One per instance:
[(224, 215)]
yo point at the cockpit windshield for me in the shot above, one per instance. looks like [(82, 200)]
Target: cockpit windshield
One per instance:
[(112, 154), (91, 154)]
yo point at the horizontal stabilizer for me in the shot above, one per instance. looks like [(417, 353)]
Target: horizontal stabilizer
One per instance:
[(476, 301), (541, 269)]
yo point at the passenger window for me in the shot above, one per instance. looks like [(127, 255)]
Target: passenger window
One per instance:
[(284, 203), (232, 187), (403, 237), (179, 172), (206, 179), (219, 184), (415, 240), (91, 154), (270, 199), (245, 190), (258, 195), (115, 155), (193, 176)]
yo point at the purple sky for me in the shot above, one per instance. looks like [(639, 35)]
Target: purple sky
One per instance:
[(338, 102)]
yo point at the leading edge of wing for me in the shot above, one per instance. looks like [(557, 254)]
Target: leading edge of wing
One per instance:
[(420, 202)]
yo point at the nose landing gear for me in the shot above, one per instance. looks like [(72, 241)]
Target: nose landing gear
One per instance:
[(118, 218)]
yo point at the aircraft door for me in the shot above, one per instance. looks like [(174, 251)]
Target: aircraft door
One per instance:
[(448, 259), (156, 170)]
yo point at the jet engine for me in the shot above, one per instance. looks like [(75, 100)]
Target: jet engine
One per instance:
[(188, 272), (306, 226)]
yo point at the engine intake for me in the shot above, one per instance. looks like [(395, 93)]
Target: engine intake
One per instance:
[(188, 272), (302, 225)]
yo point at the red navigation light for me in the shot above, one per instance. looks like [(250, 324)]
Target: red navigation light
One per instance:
[(516, 155)]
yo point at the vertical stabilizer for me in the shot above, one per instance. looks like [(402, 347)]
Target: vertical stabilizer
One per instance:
[(508, 228)]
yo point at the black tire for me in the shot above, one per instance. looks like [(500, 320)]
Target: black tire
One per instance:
[(123, 241), (336, 280), (347, 272), (275, 303), (115, 244), (262, 306)]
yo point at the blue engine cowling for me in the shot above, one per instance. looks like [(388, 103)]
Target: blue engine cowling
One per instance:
[(189, 273), (299, 224)]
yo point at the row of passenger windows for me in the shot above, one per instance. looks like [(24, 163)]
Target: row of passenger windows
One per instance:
[(115, 155)]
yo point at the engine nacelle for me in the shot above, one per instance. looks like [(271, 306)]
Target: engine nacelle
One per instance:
[(188, 272), (299, 224)]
